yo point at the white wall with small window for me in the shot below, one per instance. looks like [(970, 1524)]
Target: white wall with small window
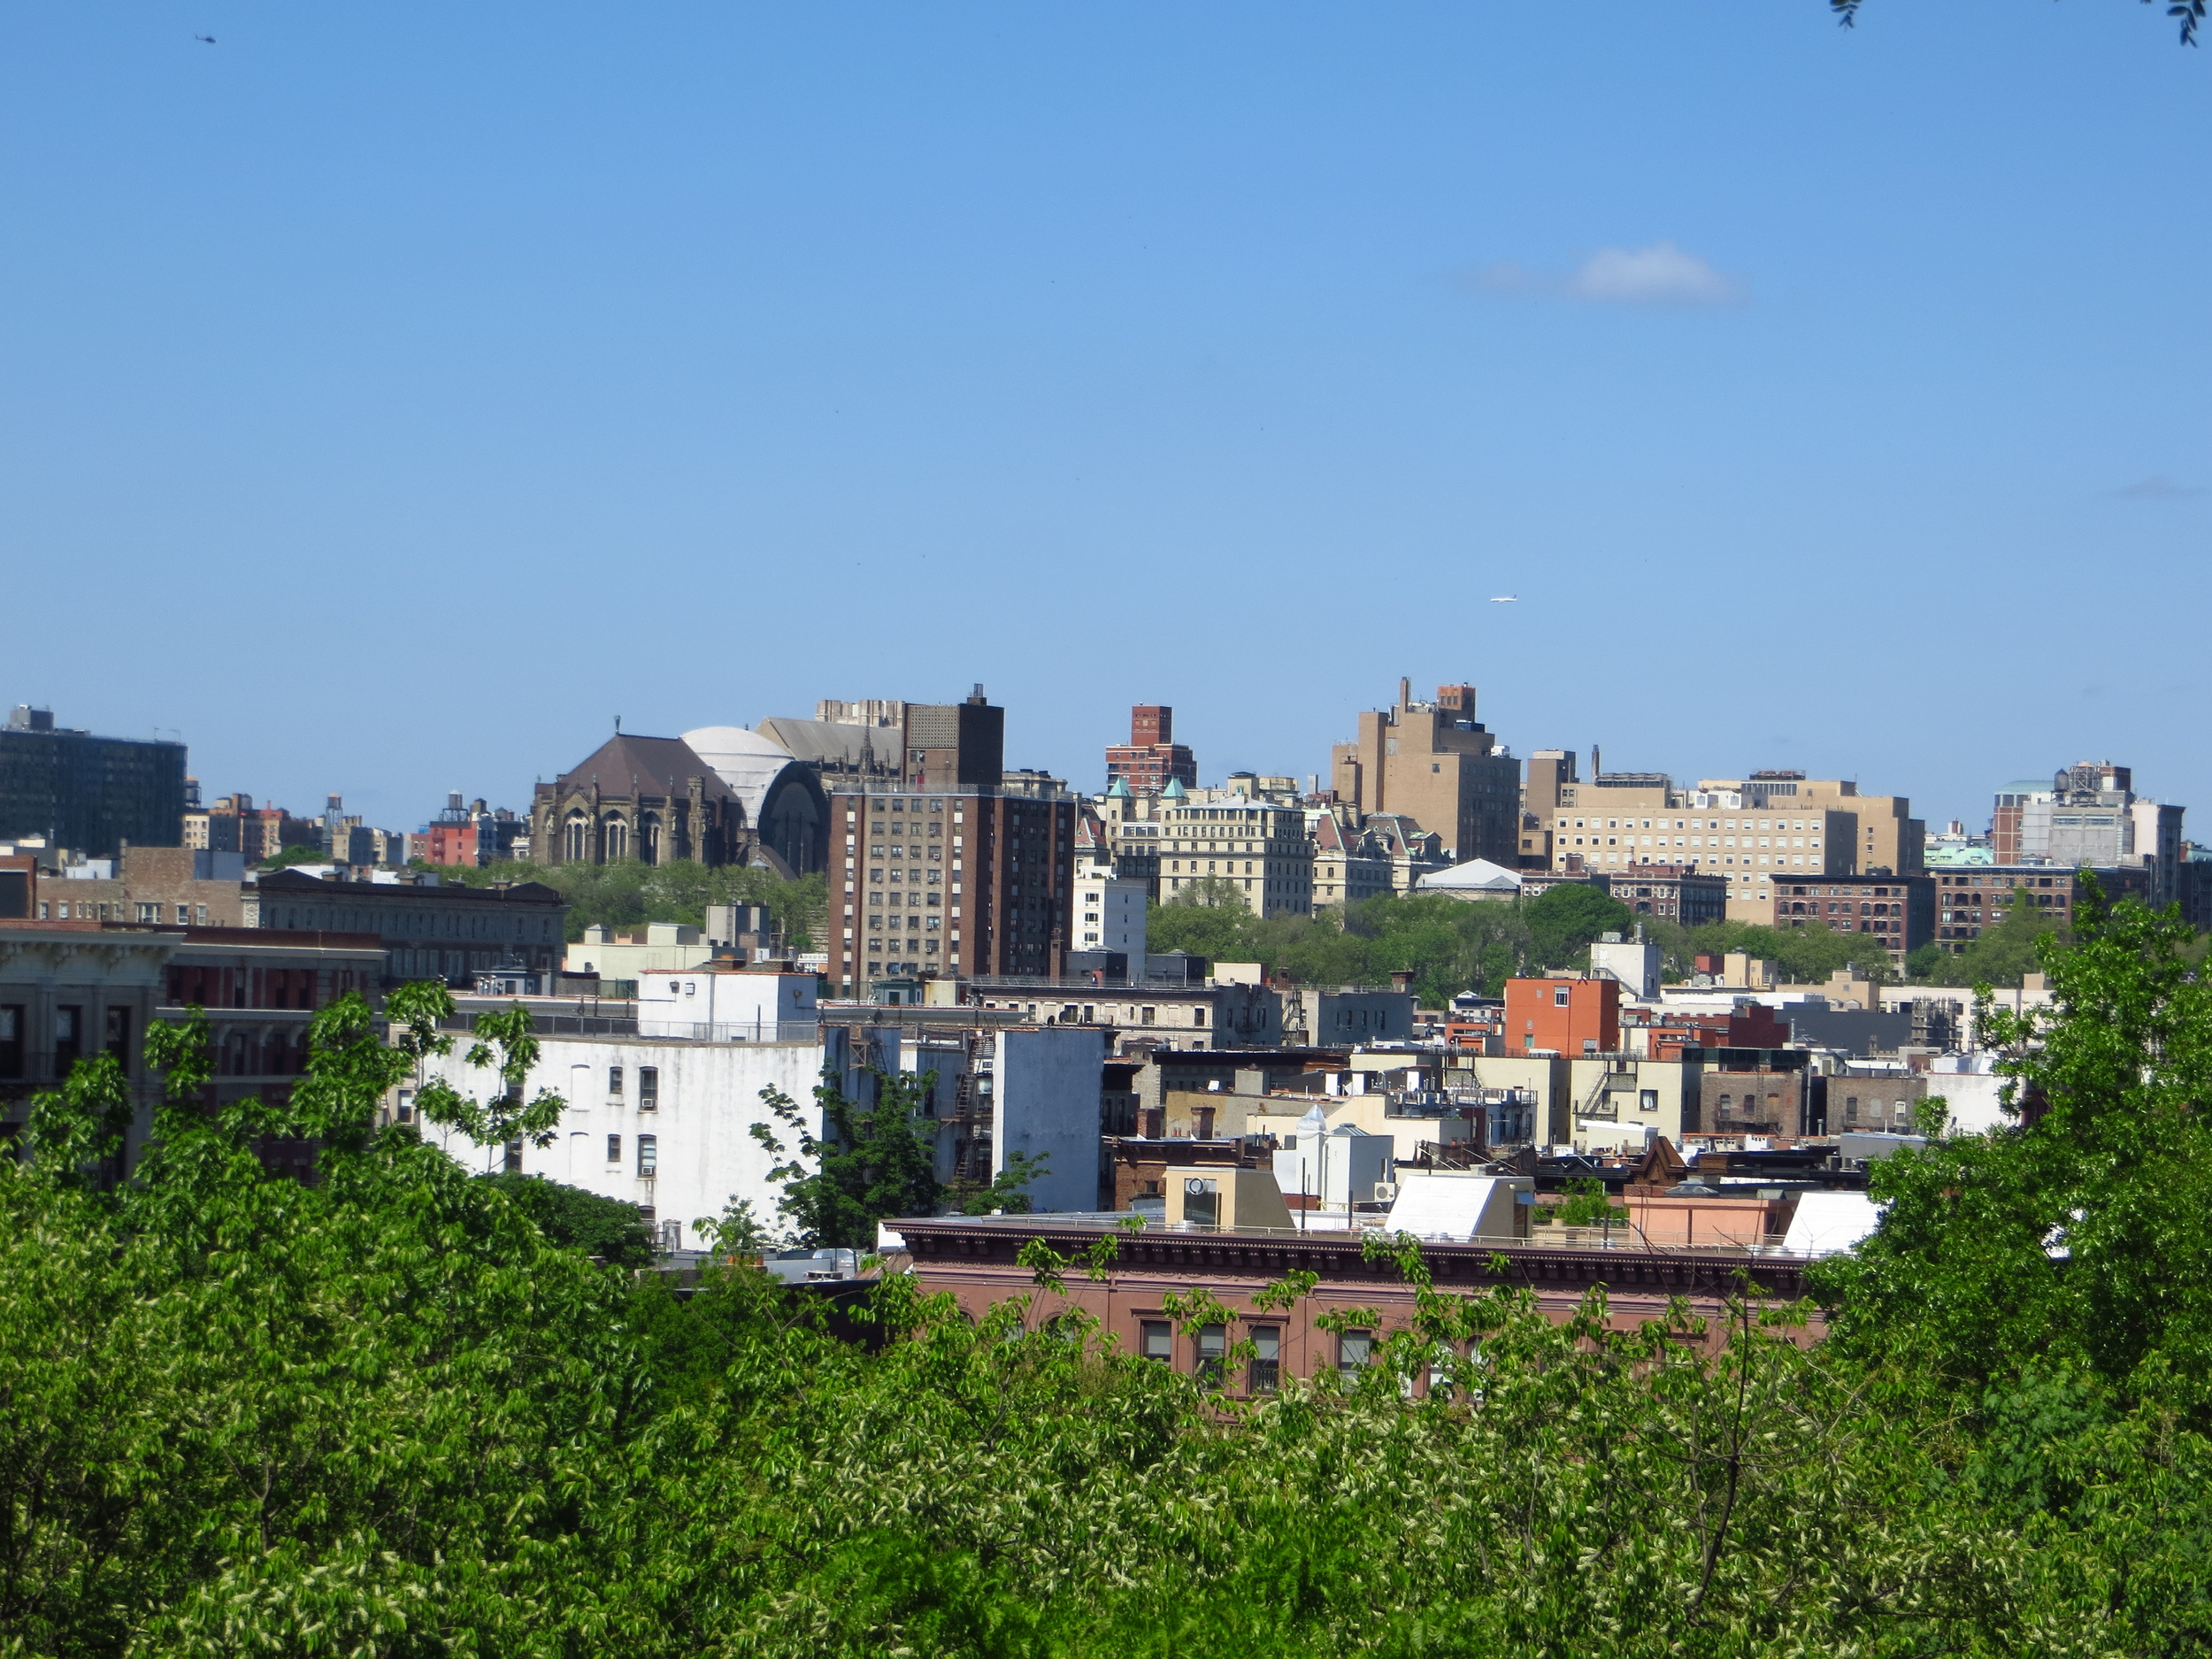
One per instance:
[(1109, 913), (665, 1126)]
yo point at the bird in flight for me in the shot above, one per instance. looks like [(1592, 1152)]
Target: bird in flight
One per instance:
[(1505, 599), (208, 39)]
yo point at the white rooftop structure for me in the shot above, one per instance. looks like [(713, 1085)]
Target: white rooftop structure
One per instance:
[(1828, 1222), (1460, 1205), (744, 760), (1479, 878)]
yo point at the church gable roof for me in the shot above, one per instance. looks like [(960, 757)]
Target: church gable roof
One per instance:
[(660, 766)]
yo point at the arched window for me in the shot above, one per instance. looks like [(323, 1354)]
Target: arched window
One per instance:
[(649, 839), (617, 839), (576, 839)]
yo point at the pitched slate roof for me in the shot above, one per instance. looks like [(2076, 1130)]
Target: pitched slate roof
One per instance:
[(660, 766)]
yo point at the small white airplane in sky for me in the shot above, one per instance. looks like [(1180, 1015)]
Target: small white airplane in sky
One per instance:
[(1505, 599)]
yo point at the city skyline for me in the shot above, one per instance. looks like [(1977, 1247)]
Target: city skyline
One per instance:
[(1811, 390)]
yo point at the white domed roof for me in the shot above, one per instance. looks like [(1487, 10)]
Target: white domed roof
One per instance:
[(747, 761)]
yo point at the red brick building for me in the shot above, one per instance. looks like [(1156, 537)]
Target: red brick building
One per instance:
[(1898, 910), (1677, 892), (975, 1259), (955, 884), (1151, 759), (1971, 898), (1749, 1025), (1569, 1016)]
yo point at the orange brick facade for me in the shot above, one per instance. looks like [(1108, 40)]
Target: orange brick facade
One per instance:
[(1568, 1017)]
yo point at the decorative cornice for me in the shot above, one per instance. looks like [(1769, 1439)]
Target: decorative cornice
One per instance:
[(953, 1241)]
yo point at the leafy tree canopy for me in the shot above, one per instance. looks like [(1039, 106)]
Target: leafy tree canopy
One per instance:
[(1449, 945), (871, 1160), (389, 1413), (296, 855), (578, 1220), (1563, 921), (628, 893)]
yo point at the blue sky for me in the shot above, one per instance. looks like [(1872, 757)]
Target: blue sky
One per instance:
[(389, 397)]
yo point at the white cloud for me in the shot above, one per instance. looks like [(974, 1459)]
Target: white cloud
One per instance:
[(1662, 275)]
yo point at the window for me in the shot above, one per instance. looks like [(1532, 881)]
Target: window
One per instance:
[(11, 1024), (1157, 1341), (184, 915), (614, 1148), (1355, 1349), (1213, 1346), (649, 1089), (614, 1082), (1559, 996), (149, 912), (647, 1156), (1267, 1354)]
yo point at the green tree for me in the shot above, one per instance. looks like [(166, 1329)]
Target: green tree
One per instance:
[(2069, 1239), (2005, 951), (1563, 921), (1008, 1191), (1209, 919), (1805, 955), (628, 893), (737, 1231), (871, 1162), (293, 855), (1586, 1204), (506, 1041), (577, 1220)]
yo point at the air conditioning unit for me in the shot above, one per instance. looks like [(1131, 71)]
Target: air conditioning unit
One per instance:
[(1386, 1192)]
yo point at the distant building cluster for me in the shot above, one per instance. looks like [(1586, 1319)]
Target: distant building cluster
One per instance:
[(984, 935)]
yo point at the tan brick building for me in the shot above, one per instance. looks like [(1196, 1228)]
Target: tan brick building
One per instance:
[(1261, 850), (1434, 763)]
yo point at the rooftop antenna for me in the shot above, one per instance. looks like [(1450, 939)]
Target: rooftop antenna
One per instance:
[(618, 725)]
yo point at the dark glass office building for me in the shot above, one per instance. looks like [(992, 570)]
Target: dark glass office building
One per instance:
[(88, 794)]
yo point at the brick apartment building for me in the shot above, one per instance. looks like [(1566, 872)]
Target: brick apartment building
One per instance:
[(170, 886), (474, 834), (442, 931), (1151, 759), (1968, 899), (234, 824), (1679, 892), (72, 990), (1562, 1015), (1898, 911), (954, 883), (1434, 763)]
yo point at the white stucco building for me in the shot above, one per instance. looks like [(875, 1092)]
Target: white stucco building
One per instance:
[(1110, 914), (661, 1124), (664, 1119)]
